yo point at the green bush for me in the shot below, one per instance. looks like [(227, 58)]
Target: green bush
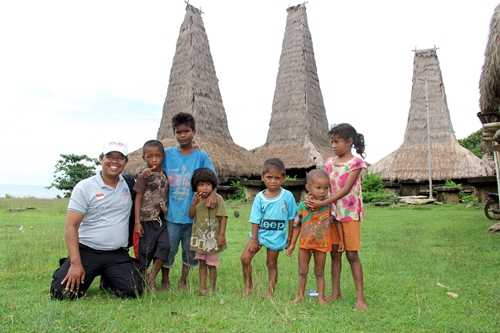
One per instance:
[(373, 189), (372, 182), (239, 193), (468, 198), (380, 196), (451, 184)]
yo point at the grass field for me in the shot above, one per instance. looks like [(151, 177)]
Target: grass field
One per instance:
[(406, 253)]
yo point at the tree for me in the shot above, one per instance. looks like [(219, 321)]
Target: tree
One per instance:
[(70, 169), (473, 143)]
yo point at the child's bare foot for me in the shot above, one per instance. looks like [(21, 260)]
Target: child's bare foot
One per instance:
[(247, 292), (164, 286), (203, 292), (182, 285), (360, 305), (270, 293), (298, 299), (150, 281), (333, 298)]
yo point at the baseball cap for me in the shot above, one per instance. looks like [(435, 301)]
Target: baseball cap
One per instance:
[(115, 146)]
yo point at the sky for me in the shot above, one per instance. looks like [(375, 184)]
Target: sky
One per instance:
[(76, 74)]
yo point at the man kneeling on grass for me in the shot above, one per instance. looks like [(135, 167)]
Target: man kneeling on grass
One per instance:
[(97, 233)]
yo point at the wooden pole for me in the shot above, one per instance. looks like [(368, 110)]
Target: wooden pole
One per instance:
[(497, 171), (429, 153)]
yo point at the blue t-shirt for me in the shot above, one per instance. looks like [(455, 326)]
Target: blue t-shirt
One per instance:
[(272, 215), (179, 168)]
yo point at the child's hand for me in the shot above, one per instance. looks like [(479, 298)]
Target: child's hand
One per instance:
[(221, 241), (314, 204), (289, 250), (146, 172), (340, 247), (211, 200), (139, 229), (197, 197), (163, 207), (311, 203), (253, 245)]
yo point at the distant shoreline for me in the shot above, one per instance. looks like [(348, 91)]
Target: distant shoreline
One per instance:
[(24, 191)]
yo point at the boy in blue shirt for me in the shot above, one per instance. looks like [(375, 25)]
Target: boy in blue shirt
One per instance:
[(273, 210), (179, 165)]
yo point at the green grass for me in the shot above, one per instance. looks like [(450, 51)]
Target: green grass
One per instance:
[(406, 252)]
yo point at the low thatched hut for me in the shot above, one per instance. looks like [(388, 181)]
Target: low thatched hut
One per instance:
[(298, 130), (194, 88), (429, 119), (489, 85)]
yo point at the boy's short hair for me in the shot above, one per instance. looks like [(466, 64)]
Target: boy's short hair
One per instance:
[(153, 143), (203, 175), (314, 174), (273, 163), (183, 118)]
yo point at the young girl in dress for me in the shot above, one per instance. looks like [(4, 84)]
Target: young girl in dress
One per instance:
[(344, 171), (208, 237)]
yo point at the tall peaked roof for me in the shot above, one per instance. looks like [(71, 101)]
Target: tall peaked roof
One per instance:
[(449, 159), (489, 84), (426, 69), (298, 130), (193, 85), (193, 88)]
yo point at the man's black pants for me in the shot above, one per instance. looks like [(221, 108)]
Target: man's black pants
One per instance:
[(115, 268)]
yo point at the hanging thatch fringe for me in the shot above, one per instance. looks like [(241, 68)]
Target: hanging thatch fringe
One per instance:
[(449, 159), (194, 88), (489, 84), (230, 160), (298, 130)]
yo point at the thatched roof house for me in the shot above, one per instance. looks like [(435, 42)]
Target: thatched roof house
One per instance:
[(449, 159), (194, 88), (298, 130), (489, 84)]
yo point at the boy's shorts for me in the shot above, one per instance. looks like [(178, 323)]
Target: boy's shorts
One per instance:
[(154, 243), (211, 259), (267, 245), (352, 235)]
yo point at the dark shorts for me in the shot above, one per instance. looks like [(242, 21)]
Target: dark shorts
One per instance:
[(115, 267), (154, 243)]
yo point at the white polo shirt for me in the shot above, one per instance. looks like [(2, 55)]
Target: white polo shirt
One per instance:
[(106, 210)]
